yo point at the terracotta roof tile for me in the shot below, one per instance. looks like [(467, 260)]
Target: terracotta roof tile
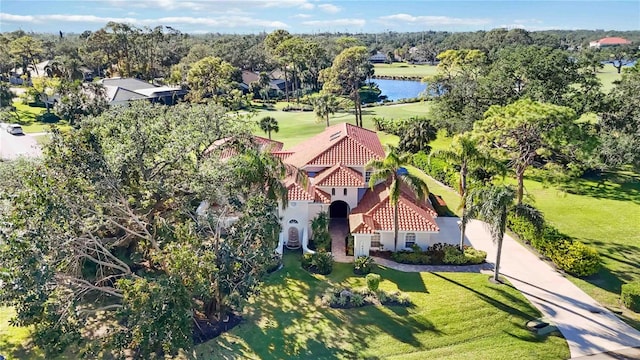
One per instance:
[(339, 176), (613, 41), (342, 143), (411, 215), (298, 192)]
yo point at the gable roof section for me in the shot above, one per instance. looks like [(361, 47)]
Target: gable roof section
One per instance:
[(343, 143), (117, 93), (298, 192), (339, 176), (127, 83), (375, 213)]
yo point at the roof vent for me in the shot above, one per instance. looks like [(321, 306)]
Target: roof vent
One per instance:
[(335, 135)]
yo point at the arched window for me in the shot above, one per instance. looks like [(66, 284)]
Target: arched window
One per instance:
[(293, 221), (409, 240)]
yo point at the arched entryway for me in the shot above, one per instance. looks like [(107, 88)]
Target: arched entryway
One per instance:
[(338, 210)]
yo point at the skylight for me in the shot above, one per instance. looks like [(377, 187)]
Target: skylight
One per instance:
[(335, 136)]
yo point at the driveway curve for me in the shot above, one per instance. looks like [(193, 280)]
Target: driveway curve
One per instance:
[(588, 327)]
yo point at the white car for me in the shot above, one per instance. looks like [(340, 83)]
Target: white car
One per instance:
[(15, 129)]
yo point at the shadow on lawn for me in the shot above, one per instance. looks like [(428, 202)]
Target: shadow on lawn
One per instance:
[(19, 351), (289, 320), (621, 186), (627, 270)]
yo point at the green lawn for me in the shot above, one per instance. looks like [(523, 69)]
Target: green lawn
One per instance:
[(15, 341), (29, 118), (607, 75), (297, 126), (404, 69), (456, 316)]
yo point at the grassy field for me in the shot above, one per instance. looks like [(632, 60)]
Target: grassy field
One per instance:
[(297, 126), (455, 316), (15, 341), (607, 75), (29, 118), (404, 69)]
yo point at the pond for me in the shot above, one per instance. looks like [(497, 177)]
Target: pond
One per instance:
[(400, 89)]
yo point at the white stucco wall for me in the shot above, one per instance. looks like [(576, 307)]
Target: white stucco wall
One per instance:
[(423, 239), (297, 210), (361, 244), (351, 198)]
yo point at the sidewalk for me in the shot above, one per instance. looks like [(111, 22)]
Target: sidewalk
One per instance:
[(588, 327)]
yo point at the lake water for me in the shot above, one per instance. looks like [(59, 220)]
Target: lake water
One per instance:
[(400, 89)]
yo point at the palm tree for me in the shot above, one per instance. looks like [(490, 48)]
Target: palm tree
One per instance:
[(269, 124), (325, 105), (492, 204), (392, 169), (464, 152)]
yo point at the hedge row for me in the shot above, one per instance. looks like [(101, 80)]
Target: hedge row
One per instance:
[(570, 255), (440, 254)]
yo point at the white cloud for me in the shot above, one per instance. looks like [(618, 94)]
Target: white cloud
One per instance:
[(301, 16), (302, 4), (336, 22), (329, 8), (403, 19), (221, 22)]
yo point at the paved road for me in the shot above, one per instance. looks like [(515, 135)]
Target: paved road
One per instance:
[(14, 146), (588, 327)]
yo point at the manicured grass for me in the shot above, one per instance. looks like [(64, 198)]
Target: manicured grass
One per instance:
[(604, 215), (404, 69), (455, 316), (15, 342), (607, 75), (297, 126), (28, 117)]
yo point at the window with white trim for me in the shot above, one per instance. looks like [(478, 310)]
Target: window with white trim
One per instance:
[(409, 240), (375, 240)]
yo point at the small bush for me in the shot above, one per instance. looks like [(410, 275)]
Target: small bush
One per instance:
[(357, 300), (362, 265), (630, 296), (411, 257), (320, 262), (577, 258), (349, 242), (474, 256), (373, 281), (454, 256)]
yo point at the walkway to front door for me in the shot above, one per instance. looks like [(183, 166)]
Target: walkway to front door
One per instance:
[(339, 228)]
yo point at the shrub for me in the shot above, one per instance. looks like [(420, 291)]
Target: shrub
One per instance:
[(373, 281), (453, 255), (630, 296), (474, 256), (320, 230), (322, 262), (349, 242), (577, 258), (357, 300), (436, 253), (305, 262), (411, 257), (362, 265)]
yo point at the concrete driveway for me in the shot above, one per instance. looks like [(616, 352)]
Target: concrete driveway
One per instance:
[(14, 146), (587, 326)]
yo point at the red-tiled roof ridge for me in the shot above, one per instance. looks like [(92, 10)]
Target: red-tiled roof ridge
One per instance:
[(361, 224), (613, 40), (297, 191), (339, 176), (313, 149), (376, 203)]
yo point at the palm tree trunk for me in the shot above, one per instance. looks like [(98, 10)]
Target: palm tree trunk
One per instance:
[(327, 119), (395, 227), (463, 194), (496, 277)]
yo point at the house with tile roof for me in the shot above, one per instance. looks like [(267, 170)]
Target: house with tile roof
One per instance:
[(609, 42), (338, 183)]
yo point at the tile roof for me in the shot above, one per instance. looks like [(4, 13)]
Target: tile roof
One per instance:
[(376, 204), (298, 192), (613, 41), (226, 152), (342, 143), (339, 176)]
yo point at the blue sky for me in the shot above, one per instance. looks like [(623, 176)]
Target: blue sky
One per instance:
[(309, 16)]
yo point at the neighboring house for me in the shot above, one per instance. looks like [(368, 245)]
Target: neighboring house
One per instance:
[(609, 42), (121, 91), (378, 58), (276, 85), (335, 162)]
